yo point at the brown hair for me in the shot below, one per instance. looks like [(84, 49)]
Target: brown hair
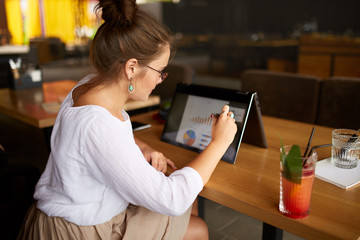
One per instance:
[(127, 32)]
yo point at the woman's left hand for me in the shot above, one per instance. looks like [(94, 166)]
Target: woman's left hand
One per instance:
[(155, 158)]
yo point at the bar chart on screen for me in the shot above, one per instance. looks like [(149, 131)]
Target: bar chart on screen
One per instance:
[(201, 120), (196, 123)]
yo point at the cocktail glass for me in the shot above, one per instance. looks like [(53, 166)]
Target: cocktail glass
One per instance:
[(295, 196)]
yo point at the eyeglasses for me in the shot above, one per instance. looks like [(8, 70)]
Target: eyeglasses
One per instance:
[(163, 74)]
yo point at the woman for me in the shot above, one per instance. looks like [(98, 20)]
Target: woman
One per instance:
[(98, 183)]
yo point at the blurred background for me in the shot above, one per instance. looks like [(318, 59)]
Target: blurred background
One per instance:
[(220, 37), (273, 47)]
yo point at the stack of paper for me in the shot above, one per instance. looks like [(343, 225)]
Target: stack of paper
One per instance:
[(344, 178), (51, 107)]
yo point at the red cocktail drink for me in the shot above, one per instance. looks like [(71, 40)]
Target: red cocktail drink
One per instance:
[(295, 196)]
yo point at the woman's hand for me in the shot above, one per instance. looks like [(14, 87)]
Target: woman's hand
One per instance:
[(224, 127), (155, 158)]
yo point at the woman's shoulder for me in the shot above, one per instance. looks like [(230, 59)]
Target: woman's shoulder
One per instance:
[(94, 118), (87, 114)]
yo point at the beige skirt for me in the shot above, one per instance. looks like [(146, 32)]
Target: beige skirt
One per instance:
[(132, 224)]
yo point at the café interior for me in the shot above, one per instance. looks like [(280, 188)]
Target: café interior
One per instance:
[(301, 57)]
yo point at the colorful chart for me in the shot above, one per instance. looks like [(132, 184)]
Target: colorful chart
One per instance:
[(189, 137)]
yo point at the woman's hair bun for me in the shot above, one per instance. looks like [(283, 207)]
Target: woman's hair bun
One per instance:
[(118, 12)]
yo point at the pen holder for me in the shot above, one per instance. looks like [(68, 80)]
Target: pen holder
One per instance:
[(30, 79)]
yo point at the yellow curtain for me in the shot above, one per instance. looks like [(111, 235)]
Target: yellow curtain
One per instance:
[(64, 23), (23, 24), (61, 19), (15, 23), (32, 22)]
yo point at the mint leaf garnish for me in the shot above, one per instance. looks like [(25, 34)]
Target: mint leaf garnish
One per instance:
[(292, 163)]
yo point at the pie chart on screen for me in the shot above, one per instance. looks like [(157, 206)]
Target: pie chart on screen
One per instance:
[(189, 137)]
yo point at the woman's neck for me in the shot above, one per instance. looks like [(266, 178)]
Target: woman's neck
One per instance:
[(112, 97)]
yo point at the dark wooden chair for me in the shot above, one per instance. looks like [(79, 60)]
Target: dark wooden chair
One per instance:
[(285, 95), (339, 103)]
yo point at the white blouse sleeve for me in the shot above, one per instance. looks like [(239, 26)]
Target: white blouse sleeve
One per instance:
[(114, 159)]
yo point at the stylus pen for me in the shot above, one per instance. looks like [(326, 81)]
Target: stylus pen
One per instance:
[(216, 115)]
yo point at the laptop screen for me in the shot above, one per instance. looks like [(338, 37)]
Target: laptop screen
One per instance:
[(189, 123)]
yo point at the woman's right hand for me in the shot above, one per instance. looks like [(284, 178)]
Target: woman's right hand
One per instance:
[(222, 134), (224, 128)]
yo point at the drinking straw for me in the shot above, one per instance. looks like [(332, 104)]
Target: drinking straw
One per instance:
[(352, 139), (319, 146), (309, 142)]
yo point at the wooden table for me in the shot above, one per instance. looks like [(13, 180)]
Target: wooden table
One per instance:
[(269, 43), (251, 185), (39, 106)]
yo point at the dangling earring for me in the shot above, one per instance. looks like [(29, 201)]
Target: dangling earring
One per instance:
[(131, 87)]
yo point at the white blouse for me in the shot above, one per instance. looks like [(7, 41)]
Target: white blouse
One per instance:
[(95, 169)]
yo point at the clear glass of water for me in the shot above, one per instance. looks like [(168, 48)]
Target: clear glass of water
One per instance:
[(345, 148)]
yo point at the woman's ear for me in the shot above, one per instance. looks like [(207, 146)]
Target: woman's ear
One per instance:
[(131, 66)]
